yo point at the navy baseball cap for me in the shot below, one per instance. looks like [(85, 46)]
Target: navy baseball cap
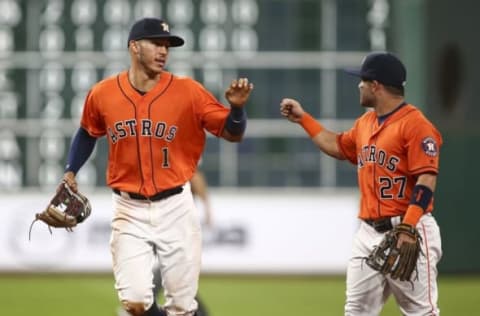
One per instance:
[(383, 67), (153, 28)]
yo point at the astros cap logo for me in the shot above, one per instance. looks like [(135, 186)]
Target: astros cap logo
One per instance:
[(165, 27)]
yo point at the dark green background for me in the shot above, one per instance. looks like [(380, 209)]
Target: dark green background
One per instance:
[(439, 41)]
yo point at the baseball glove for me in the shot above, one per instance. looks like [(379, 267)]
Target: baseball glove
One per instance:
[(65, 210), (398, 262)]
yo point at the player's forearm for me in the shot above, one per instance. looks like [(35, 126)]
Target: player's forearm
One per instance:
[(427, 179), (80, 150), (421, 198), (199, 185), (327, 142), (324, 139), (235, 124), (231, 138), (236, 121)]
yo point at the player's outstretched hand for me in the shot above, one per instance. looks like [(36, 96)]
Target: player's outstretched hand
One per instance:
[(291, 109), (238, 92)]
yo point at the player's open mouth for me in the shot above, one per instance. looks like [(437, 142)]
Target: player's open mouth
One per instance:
[(160, 62)]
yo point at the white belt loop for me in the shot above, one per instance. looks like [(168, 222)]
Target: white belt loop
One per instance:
[(395, 220), (125, 195)]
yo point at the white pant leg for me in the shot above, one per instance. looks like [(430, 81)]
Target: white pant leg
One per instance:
[(420, 298), (177, 236), (366, 290), (132, 253)]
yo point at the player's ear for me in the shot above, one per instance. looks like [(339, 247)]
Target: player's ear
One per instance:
[(133, 46), (375, 84)]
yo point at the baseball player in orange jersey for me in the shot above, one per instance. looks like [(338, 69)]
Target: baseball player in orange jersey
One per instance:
[(155, 123), (396, 150)]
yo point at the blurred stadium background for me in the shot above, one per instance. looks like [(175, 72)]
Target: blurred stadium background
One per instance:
[(278, 203)]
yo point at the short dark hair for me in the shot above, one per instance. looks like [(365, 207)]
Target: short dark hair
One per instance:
[(395, 90)]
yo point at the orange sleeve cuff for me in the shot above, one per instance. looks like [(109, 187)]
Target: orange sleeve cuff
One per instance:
[(310, 125), (413, 214)]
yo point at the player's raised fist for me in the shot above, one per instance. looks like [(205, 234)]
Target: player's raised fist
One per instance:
[(238, 92), (291, 109)]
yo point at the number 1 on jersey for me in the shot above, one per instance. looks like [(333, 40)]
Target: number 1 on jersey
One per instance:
[(166, 157)]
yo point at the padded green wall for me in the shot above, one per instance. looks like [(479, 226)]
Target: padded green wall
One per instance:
[(453, 95), (438, 40)]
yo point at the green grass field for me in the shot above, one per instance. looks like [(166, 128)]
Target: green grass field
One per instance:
[(92, 295)]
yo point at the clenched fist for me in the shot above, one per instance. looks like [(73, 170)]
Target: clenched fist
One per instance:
[(291, 109)]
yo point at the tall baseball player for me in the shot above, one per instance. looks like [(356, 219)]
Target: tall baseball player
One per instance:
[(396, 150), (155, 124)]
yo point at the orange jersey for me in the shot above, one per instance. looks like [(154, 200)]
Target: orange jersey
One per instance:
[(156, 139), (389, 157)]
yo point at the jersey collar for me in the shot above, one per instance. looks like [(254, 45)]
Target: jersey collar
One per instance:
[(382, 118), (162, 84)]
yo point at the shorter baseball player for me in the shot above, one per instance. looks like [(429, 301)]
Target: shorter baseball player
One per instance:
[(396, 151)]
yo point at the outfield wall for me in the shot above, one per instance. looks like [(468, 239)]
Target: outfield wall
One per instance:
[(262, 231)]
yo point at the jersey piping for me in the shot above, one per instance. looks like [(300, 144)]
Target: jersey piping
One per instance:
[(149, 116), (136, 135)]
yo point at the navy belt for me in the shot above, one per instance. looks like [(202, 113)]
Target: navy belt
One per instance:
[(156, 197), (384, 224)]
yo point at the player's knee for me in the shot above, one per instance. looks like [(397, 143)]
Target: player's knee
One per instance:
[(134, 308), (360, 309)]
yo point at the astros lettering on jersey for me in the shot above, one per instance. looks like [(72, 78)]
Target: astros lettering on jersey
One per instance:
[(157, 125), (389, 156)]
